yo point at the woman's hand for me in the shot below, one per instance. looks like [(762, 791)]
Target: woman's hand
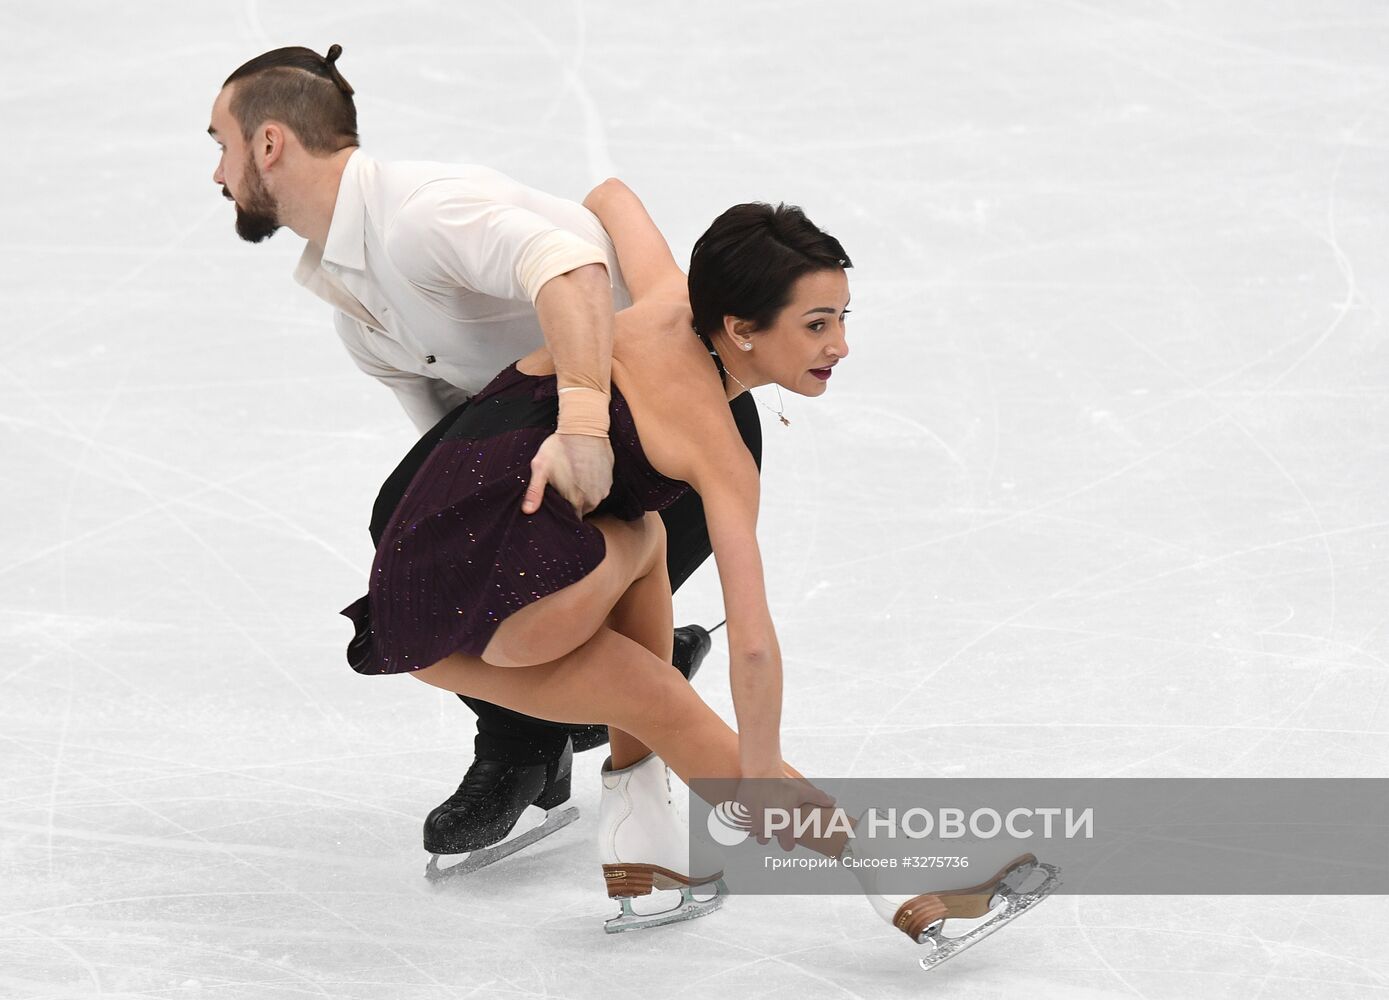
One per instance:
[(777, 790)]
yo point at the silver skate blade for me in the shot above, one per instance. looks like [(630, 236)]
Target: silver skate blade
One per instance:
[(554, 820), (689, 908), (1010, 902)]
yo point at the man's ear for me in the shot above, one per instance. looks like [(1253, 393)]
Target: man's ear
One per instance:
[(272, 143)]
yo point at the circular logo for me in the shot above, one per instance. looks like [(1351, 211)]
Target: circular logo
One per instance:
[(729, 823)]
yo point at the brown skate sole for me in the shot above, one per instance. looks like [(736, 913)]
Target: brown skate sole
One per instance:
[(639, 880), (920, 912)]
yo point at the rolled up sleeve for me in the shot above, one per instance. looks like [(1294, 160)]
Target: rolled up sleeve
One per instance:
[(557, 252)]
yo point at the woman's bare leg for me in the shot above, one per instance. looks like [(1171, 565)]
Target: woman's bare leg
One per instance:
[(557, 623), (629, 592), (614, 679), (538, 662), (643, 614)]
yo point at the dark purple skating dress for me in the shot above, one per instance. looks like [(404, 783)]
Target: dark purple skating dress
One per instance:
[(458, 555)]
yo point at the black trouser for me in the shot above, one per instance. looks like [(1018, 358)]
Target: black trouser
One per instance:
[(506, 735)]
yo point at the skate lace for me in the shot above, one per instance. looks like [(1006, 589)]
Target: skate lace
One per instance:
[(466, 793)]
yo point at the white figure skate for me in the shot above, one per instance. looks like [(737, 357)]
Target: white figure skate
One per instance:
[(644, 845), (996, 885)]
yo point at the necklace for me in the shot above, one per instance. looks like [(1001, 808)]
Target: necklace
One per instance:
[(780, 405), (723, 370)]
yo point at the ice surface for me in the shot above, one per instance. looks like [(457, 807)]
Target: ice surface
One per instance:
[(1101, 490)]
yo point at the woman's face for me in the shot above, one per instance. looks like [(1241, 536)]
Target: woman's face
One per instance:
[(807, 339)]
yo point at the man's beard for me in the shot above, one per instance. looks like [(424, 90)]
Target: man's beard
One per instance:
[(258, 219)]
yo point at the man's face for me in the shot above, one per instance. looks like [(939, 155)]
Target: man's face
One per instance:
[(257, 214)]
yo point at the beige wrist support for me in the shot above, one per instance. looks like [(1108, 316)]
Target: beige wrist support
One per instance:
[(583, 411)]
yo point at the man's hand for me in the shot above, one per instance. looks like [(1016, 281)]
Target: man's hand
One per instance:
[(579, 466)]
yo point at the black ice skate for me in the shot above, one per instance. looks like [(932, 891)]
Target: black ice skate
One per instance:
[(692, 643), (475, 819)]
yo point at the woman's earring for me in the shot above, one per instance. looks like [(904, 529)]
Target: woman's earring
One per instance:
[(746, 346)]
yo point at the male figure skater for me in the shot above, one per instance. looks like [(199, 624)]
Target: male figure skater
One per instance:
[(440, 276)]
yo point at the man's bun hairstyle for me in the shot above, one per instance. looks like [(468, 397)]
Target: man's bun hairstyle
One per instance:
[(300, 89)]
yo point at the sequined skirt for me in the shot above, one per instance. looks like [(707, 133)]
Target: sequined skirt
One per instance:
[(458, 556)]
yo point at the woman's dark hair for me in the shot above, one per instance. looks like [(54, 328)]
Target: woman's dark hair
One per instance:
[(747, 261), (300, 88)]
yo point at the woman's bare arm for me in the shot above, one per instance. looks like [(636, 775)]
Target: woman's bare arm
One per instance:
[(730, 492), (648, 267)]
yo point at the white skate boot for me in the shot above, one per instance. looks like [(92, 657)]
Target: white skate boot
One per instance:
[(644, 845), (997, 885)]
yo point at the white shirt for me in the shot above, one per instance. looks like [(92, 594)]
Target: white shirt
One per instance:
[(434, 269)]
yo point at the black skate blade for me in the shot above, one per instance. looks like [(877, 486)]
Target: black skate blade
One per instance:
[(554, 820)]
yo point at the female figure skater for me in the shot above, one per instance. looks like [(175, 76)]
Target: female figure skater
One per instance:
[(480, 589)]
